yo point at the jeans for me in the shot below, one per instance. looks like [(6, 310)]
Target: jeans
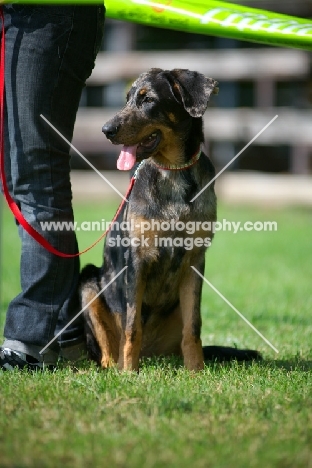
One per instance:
[(50, 52)]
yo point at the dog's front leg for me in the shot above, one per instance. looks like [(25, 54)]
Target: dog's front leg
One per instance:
[(131, 339), (190, 298)]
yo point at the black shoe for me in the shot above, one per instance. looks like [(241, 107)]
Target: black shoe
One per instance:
[(10, 360)]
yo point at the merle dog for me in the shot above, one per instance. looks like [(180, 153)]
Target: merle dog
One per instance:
[(153, 307)]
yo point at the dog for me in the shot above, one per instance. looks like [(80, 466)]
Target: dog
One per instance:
[(153, 307)]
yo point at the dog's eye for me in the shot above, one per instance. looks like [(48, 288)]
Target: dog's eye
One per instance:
[(148, 99)]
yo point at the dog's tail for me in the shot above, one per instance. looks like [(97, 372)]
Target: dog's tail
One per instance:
[(225, 353), (89, 288)]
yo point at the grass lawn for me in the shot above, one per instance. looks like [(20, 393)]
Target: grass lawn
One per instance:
[(257, 415)]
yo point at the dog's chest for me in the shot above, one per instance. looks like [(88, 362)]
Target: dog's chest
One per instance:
[(168, 231), (160, 208), (166, 195)]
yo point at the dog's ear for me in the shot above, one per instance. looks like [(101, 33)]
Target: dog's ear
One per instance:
[(193, 89)]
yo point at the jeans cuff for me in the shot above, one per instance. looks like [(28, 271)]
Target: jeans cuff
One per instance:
[(49, 357)]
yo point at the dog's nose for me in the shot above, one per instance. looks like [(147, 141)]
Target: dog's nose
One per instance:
[(110, 130)]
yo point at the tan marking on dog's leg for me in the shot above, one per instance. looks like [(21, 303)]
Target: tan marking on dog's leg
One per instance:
[(190, 309), (131, 342), (132, 348), (105, 330)]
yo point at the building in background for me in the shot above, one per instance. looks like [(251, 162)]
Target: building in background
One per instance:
[(256, 83)]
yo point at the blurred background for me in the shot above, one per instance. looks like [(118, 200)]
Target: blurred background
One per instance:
[(256, 83)]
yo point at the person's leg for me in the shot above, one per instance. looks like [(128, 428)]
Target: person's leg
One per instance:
[(50, 52)]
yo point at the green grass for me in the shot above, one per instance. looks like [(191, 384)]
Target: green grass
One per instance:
[(256, 415)]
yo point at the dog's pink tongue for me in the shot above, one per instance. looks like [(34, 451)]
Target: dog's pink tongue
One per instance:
[(127, 158)]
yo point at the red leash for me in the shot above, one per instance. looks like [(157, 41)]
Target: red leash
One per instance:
[(11, 203)]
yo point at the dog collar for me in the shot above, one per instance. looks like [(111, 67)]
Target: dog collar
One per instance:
[(171, 167), (180, 167)]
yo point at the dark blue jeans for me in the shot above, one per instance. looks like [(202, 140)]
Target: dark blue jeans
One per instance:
[(50, 52)]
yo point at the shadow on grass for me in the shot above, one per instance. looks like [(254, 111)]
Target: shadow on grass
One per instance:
[(291, 364), (173, 364), (160, 363)]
